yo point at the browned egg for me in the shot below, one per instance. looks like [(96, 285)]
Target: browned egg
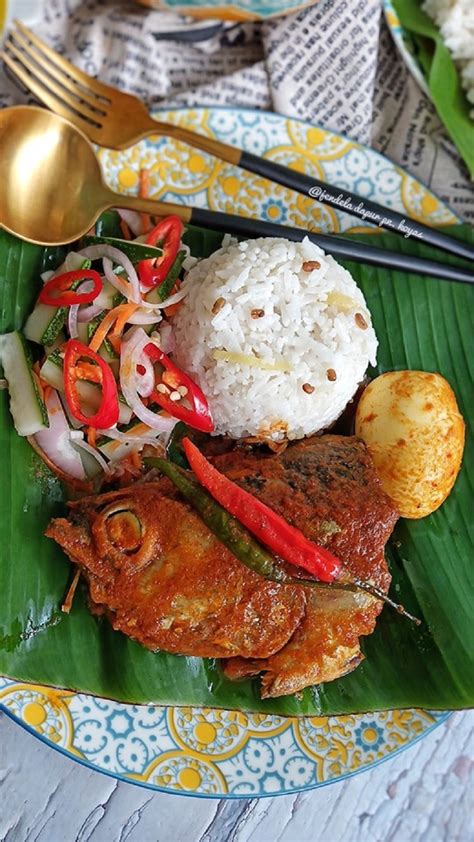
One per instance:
[(411, 423)]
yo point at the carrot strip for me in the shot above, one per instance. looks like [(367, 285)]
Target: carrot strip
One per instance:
[(173, 308), (144, 193), (125, 230), (91, 436), (118, 317), (135, 460)]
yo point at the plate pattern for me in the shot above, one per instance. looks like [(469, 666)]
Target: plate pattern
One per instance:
[(181, 174), (405, 44), (216, 753), (239, 10), (211, 752)]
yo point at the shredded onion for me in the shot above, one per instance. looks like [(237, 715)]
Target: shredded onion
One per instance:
[(142, 318), (55, 441), (172, 299), (86, 314), (132, 355), (130, 442), (77, 437), (165, 338), (133, 220), (110, 255), (72, 321), (72, 316)]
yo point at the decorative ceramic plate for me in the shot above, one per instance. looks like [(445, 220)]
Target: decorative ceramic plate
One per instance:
[(406, 45), (206, 752), (238, 10)]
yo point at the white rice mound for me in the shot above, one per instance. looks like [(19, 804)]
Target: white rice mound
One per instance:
[(455, 20), (315, 324)]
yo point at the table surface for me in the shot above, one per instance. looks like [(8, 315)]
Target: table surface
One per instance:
[(426, 794)]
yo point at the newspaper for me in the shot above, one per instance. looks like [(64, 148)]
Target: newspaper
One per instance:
[(333, 64)]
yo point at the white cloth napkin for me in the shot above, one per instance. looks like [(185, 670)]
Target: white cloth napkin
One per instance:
[(333, 64)]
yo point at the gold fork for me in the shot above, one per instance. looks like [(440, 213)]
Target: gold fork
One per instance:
[(117, 120)]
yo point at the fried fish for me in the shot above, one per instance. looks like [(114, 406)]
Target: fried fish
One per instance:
[(164, 579)]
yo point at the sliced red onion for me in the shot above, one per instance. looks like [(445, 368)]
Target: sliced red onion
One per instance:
[(132, 356), (111, 255), (55, 441), (127, 442), (142, 318), (189, 261), (133, 220), (129, 436), (72, 317), (86, 314), (165, 338), (172, 299), (146, 379), (78, 440), (72, 320), (72, 261)]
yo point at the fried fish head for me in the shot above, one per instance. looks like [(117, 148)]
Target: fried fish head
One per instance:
[(165, 580)]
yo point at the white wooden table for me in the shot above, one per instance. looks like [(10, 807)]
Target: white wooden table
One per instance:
[(426, 794)]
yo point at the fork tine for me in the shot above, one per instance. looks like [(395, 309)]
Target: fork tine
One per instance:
[(90, 84), (58, 74), (46, 97), (36, 75)]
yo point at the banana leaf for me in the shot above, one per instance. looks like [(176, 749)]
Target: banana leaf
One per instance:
[(442, 76), (421, 323)]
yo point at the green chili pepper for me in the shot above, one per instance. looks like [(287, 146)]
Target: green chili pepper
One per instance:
[(240, 542)]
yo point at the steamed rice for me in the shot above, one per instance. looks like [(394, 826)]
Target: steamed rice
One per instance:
[(291, 371), (455, 20)]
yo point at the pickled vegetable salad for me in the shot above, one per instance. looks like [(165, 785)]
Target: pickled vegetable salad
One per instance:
[(105, 387)]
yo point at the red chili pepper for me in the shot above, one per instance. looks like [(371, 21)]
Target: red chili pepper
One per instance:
[(168, 232), (272, 530), (63, 285), (199, 415), (99, 372)]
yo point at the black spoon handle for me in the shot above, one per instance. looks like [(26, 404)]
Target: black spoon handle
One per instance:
[(355, 205), (337, 246)]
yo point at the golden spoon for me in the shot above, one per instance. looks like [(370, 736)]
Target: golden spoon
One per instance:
[(52, 190), (53, 193)]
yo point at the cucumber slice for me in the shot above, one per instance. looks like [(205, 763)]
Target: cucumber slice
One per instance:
[(107, 296), (45, 323), (26, 404), (82, 333), (134, 250), (89, 393), (163, 291)]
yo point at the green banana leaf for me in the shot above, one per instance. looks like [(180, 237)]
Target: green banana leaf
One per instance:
[(421, 324), (442, 76)]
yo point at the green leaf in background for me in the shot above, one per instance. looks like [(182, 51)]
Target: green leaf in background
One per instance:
[(444, 80), (421, 324)]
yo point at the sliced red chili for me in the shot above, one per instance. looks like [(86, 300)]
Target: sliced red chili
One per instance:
[(198, 415), (60, 292), (270, 528), (168, 232), (80, 364)]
